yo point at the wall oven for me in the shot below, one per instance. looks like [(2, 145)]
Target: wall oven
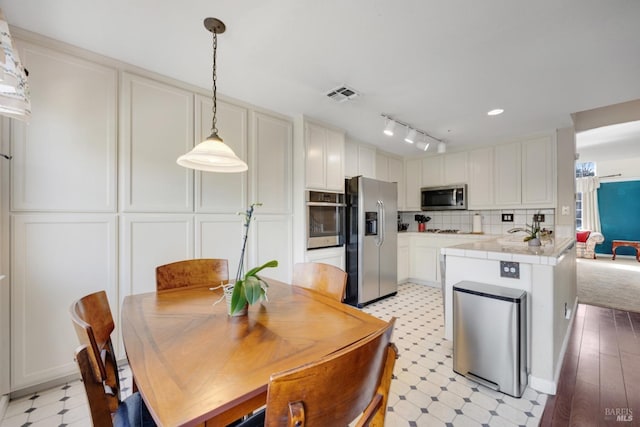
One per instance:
[(325, 219)]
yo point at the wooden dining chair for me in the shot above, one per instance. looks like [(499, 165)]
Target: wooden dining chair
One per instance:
[(323, 278), (131, 412), (93, 322), (349, 385), (192, 272)]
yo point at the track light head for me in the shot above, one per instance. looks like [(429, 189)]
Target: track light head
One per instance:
[(422, 145), (442, 147), (411, 136), (388, 130)]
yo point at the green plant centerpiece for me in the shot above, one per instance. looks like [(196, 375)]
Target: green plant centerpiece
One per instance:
[(248, 288)]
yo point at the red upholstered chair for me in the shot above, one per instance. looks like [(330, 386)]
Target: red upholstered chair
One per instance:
[(586, 241)]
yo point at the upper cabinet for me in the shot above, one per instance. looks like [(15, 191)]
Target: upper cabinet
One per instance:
[(157, 124), (324, 148), (360, 159), (445, 169), (480, 182), (525, 173), (413, 182), (271, 163), (67, 152)]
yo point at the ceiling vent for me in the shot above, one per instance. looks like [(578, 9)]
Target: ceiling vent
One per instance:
[(342, 93)]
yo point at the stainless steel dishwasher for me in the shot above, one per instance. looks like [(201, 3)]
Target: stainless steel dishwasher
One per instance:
[(490, 336)]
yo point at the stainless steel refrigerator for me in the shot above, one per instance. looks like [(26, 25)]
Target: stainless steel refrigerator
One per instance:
[(371, 240)]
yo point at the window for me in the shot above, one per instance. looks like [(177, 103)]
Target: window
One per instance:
[(582, 170)]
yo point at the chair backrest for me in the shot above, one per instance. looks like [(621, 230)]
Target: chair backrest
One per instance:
[(336, 389), (96, 396), (192, 272), (93, 323), (323, 278)]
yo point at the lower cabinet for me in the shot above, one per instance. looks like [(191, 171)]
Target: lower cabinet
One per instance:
[(333, 256), (403, 258), (424, 260)]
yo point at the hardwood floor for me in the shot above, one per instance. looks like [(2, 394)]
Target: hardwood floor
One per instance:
[(599, 381)]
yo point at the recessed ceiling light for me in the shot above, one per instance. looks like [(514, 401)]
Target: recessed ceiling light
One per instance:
[(495, 112)]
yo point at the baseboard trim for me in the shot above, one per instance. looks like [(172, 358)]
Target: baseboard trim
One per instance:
[(4, 404)]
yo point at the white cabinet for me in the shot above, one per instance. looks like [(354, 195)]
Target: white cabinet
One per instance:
[(272, 163), (403, 258), (333, 256), (366, 161), (455, 168), (70, 141), (324, 164), (56, 258), (444, 169), (424, 260), (413, 183), (360, 159), (391, 169), (271, 235), (538, 172), (508, 174), (480, 183), (525, 173), (396, 174), (156, 128), (350, 159), (432, 171)]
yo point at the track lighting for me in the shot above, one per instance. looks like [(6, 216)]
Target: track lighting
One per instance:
[(422, 145), (411, 136), (388, 130)]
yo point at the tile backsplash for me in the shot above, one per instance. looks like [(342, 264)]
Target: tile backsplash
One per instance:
[(491, 219)]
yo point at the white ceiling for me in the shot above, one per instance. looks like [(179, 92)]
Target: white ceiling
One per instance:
[(437, 65)]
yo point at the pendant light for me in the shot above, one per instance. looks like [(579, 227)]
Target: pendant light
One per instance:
[(14, 88), (212, 154)]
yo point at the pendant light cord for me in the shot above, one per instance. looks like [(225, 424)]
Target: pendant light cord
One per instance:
[(214, 129)]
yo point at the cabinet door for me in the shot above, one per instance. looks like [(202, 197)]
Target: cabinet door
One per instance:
[(333, 256), (507, 174), (57, 258), (222, 192), (382, 167), (157, 128), (271, 237), (70, 143), (538, 172), (334, 161), (413, 184), (272, 163), (432, 172), (455, 168), (366, 161), (424, 259), (220, 236), (350, 159), (403, 259), (480, 182), (315, 146), (396, 174)]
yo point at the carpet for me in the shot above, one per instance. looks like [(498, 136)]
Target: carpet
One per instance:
[(607, 283)]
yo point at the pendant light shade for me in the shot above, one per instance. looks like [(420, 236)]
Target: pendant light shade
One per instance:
[(212, 154), (14, 88)]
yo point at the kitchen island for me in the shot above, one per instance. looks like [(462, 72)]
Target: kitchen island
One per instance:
[(547, 273)]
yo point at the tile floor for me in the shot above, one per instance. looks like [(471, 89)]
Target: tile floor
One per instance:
[(424, 392)]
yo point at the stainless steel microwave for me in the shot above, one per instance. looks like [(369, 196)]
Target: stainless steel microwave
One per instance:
[(449, 197)]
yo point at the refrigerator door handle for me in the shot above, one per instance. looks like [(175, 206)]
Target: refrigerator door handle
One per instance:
[(381, 223)]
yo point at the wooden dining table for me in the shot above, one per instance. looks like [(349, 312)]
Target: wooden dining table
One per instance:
[(195, 365)]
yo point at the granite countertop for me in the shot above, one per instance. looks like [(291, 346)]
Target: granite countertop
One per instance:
[(510, 248)]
